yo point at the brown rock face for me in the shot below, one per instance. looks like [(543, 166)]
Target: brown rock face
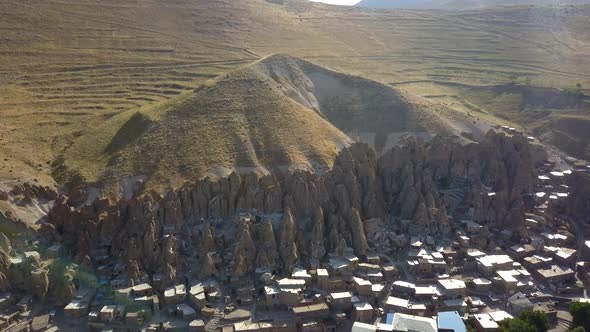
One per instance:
[(419, 183), (25, 194), (40, 283), (5, 243), (286, 242), (4, 282), (359, 239), (317, 248), (244, 250), (207, 268), (267, 250)]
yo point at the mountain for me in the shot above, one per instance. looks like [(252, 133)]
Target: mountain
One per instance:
[(276, 114), (459, 4), (70, 67), (393, 4)]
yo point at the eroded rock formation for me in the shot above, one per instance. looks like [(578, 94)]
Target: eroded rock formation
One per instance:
[(420, 183)]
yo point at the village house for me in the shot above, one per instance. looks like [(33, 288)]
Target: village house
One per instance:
[(555, 274), (76, 309), (311, 312), (290, 297), (363, 327), (196, 325), (455, 305), (362, 286), (488, 264), (272, 295), (396, 304), (170, 297), (452, 288), (426, 292), (518, 252), (404, 322), (197, 296), (481, 284), (403, 287), (133, 318), (450, 321), (485, 323), (518, 303), (322, 278), (362, 312), (142, 290), (340, 300), (338, 265), (301, 274), (186, 312), (566, 256), (475, 302), (535, 262), (107, 313), (512, 280), (499, 315)]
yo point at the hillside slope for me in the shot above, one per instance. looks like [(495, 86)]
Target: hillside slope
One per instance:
[(68, 66), (459, 4), (276, 114)]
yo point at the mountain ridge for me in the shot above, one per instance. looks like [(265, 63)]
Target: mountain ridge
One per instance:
[(459, 4), (279, 113)]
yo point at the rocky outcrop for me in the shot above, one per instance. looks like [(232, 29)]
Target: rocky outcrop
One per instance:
[(40, 283), (4, 272), (207, 268), (317, 248), (414, 186), (286, 242), (267, 251), (359, 239), (244, 250), (5, 244), (61, 279)]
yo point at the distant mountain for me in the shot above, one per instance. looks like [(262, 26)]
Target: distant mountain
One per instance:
[(458, 4), (392, 4)]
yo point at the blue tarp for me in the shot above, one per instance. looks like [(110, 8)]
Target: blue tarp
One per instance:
[(389, 319), (450, 321)]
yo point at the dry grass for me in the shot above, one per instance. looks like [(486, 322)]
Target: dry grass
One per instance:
[(242, 120), (71, 71), (277, 113)]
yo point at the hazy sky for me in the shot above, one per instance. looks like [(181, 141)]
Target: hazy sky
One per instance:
[(339, 2)]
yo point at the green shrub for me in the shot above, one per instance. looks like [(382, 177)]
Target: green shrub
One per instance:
[(581, 314), (536, 318)]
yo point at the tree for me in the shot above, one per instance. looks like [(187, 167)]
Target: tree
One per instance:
[(577, 329), (516, 325), (581, 314), (536, 318)]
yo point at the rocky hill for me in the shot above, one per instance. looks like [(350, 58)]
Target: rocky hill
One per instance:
[(280, 113), (306, 215), (69, 66)]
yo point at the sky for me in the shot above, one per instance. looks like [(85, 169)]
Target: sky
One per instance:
[(339, 2)]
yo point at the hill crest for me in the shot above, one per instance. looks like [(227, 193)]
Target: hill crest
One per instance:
[(277, 114)]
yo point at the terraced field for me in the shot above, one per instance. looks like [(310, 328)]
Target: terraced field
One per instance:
[(67, 66)]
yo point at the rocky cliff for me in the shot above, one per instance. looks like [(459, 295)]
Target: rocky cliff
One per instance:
[(302, 216)]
